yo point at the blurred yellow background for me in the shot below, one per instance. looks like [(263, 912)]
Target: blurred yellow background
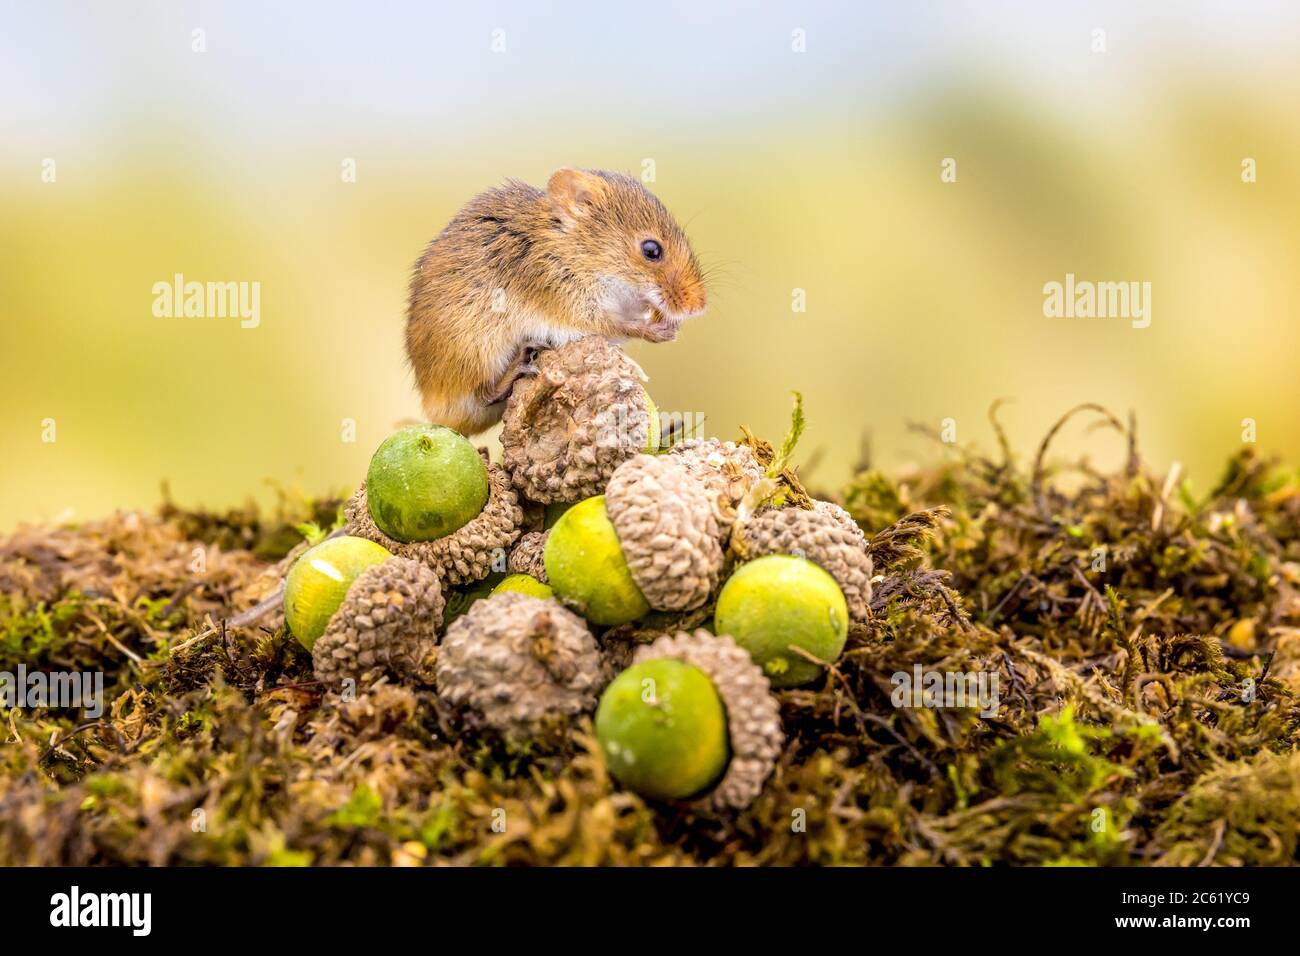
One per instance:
[(222, 155)]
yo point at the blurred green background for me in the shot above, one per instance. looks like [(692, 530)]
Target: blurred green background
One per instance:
[(816, 170)]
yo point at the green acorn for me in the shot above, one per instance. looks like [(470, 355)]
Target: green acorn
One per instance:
[(692, 718), (524, 584), (585, 566), (319, 580), (779, 602), (431, 497), (387, 625), (663, 729), (825, 534), (425, 482), (651, 541), (363, 612)]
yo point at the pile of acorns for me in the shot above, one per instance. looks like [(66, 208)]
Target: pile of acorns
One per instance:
[(595, 527)]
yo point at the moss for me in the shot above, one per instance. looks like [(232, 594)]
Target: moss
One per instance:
[(1244, 813), (1061, 757), (36, 633), (873, 500), (363, 809), (1138, 721)]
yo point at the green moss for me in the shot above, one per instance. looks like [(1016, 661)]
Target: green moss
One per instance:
[(873, 500), (1245, 813), (362, 809), (1061, 757), (37, 633)]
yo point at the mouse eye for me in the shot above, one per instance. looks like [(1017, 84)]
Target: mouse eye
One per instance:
[(652, 250)]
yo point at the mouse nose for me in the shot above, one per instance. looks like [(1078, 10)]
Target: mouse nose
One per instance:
[(693, 298), (684, 294)]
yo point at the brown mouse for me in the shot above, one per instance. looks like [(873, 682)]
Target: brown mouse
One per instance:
[(521, 269)]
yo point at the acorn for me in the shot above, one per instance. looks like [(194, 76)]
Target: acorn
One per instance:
[(692, 718), (826, 534), (522, 665), (523, 584), (583, 414), (776, 604), (667, 530), (361, 611), (387, 623), (462, 556), (319, 580), (663, 728), (727, 471), (424, 483), (586, 568), (651, 541)]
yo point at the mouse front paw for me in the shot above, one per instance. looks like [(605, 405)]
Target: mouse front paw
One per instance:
[(661, 329)]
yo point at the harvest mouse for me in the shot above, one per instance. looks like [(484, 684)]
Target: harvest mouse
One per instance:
[(520, 269)]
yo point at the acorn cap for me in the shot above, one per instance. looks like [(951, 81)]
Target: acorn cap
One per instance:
[(726, 469), (468, 553), (667, 530), (841, 517), (568, 427), (387, 623), (826, 535), (519, 662), (527, 555), (753, 716)]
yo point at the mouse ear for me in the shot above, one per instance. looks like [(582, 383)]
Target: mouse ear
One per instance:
[(573, 192)]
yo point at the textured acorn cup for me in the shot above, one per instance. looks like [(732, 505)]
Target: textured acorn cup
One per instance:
[(528, 555), (774, 604), (667, 531), (387, 624), (586, 568), (425, 482), (726, 470), (753, 724), (827, 535), (468, 553), (319, 580), (519, 663), (582, 415), (663, 729)]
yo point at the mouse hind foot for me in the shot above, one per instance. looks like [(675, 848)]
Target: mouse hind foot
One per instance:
[(522, 365)]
